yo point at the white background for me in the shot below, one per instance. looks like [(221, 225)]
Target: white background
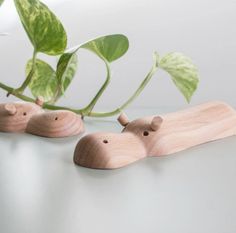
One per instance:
[(42, 191), (203, 30)]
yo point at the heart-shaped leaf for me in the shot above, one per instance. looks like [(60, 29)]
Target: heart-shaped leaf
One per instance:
[(182, 71), (66, 69), (44, 30), (44, 82), (109, 47)]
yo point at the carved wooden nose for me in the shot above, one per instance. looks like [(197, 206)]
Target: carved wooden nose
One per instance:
[(109, 150), (55, 124)]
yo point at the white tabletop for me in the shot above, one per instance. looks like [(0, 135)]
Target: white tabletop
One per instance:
[(42, 191)]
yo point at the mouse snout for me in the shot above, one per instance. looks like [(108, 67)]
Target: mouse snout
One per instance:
[(108, 150), (55, 124)]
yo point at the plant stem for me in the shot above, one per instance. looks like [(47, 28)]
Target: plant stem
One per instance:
[(54, 107), (29, 76), (83, 111), (18, 95), (87, 110), (56, 96), (135, 95), (29, 99)]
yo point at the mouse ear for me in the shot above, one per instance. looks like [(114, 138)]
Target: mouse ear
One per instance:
[(10, 108), (39, 101), (123, 119), (156, 123)]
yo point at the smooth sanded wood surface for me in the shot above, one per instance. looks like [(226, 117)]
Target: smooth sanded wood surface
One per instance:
[(42, 190), (15, 116), (24, 117), (156, 135), (55, 124)]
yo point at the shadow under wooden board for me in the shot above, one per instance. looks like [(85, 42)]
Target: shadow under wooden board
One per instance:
[(156, 136)]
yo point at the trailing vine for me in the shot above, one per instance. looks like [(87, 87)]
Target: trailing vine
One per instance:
[(47, 35)]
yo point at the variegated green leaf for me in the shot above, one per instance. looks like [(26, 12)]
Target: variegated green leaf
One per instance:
[(1, 2), (44, 30), (66, 69), (183, 73), (109, 47), (44, 82)]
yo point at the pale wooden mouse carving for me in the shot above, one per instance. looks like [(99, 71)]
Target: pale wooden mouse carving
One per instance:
[(14, 117), (55, 124), (156, 136)]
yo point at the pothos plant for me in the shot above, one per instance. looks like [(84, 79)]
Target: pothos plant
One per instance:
[(47, 35)]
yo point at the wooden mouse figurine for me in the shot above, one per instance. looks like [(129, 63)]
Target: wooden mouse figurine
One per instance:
[(156, 136), (14, 117), (56, 124)]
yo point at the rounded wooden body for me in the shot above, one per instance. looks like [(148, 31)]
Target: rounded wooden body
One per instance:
[(56, 124), (14, 117), (157, 136)]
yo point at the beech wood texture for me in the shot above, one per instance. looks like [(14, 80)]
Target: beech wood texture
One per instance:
[(56, 124), (156, 136), (14, 117)]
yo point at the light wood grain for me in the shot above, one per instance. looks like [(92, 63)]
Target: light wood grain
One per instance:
[(14, 117), (157, 136), (39, 101), (56, 124), (123, 119)]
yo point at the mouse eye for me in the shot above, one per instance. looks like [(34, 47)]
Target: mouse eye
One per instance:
[(24, 113), (145, 133), (105, 141)]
